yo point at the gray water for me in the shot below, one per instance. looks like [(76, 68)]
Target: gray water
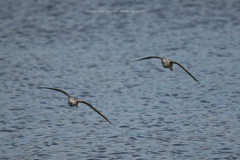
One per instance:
[(86, 48)]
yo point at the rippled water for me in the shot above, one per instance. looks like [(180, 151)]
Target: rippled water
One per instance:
[(156, 113)]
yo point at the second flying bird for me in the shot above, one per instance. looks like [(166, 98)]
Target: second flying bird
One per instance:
[(167, 63)]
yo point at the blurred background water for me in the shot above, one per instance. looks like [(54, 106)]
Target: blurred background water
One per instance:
[(86, 48)]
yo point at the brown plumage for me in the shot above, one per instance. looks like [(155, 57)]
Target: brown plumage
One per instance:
[(74, 102), (167, 63)]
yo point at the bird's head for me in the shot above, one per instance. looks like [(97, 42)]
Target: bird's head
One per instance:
[(164, 59), (72, 102)]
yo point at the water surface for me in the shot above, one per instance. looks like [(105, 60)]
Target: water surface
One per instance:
[(156, 113)]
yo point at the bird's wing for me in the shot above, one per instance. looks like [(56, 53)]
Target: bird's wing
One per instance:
[(148, 58), (56, 90), (94, 110), (186, 71)]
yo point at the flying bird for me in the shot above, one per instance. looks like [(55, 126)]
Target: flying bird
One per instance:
[(74, 102), (167, 63)]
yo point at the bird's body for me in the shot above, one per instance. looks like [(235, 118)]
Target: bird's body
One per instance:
[(167, 63), (72, 102)]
